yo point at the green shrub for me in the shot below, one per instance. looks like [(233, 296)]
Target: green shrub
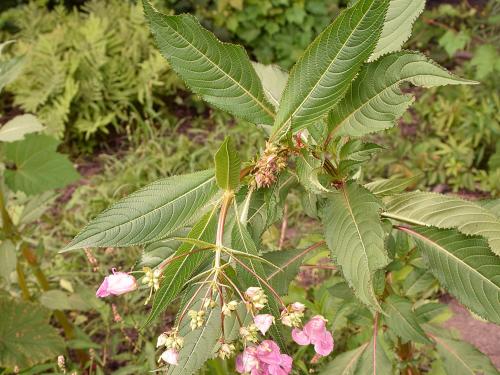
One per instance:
[(88, 71)]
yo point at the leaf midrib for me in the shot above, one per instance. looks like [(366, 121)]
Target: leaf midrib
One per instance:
[(145, 214), (449, 254), (261, 104), (285, 123), (455, 354)]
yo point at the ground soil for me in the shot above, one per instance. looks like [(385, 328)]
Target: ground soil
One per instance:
[(484, 336)]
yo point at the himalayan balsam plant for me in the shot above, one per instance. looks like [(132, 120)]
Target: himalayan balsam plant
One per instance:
[(390, 249)]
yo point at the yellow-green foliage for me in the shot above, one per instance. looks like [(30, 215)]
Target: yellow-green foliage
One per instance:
[(89, 70)]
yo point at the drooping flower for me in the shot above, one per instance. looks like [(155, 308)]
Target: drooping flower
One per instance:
[(256, 297), (264, 359), (197, 318), (263, 322), (249, 333), (116, 284), (226, 350), (247, 362), (315, 333), (170, 356), (229, 307), (293, 314), (152, 278)]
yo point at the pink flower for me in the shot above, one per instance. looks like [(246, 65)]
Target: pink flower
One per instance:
[(116, 284), (247, 362), (170, 356), (265, 359), (315, 333), (263, 322)]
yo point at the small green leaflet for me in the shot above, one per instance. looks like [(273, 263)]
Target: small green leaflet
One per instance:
[(378, 364), (180, 270), (26, 337), (36, 166), (345, 363), (150, 213), (375, 101), (464, 265), (391, 186), (354, 234), (323, 74), (227, 166), (308, 168), (453, 41), (445, 211), (397, 26), (402, 320), (220, 72)]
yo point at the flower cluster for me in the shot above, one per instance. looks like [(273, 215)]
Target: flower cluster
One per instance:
[(197, 319), (173, 343), (267, 168), (292, 316), (263, 359), (152, 278)]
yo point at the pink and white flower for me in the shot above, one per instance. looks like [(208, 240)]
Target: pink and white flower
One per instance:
[(264, 359), (116, 284), (315, 333), (263, 322), (170, 356)]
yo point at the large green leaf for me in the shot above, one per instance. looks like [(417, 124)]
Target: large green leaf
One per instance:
[(36, 165), (461, 358), (391, 186), (221, 73), (26, 337), (345, 363), (354, 234), (242, 241), (397, 26), (149, 214), (227, 166), (444, 211), (378, 364), (180, 270), (465, 266), (402, 320), (324, 72), (375, 101)]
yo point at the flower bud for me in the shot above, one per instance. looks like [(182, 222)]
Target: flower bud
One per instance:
[(249, 333), (256, 297), (229, 307), (170, 356), (226, 351)]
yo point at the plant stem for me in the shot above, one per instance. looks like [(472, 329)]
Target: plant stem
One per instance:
[(228, 197), (21, 280)]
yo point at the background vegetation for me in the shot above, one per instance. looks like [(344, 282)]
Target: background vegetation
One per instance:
[(92, 76)]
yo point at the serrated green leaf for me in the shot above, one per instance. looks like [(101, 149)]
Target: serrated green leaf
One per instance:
[(227, 166), (465, 266), (378, 364), (9, 69), (391, 186), (492, 205), (18, 127), (180, 270), (150, 213), (461, 358), (397, 26), (402, 320), (323, 74), (273, 80), (433, 312), (37, 166), (198, 344), (220, 72), (418, 281), (242, 241), (345, 363), (354, 234), (375, 101), (444, 211), (26, 337)]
